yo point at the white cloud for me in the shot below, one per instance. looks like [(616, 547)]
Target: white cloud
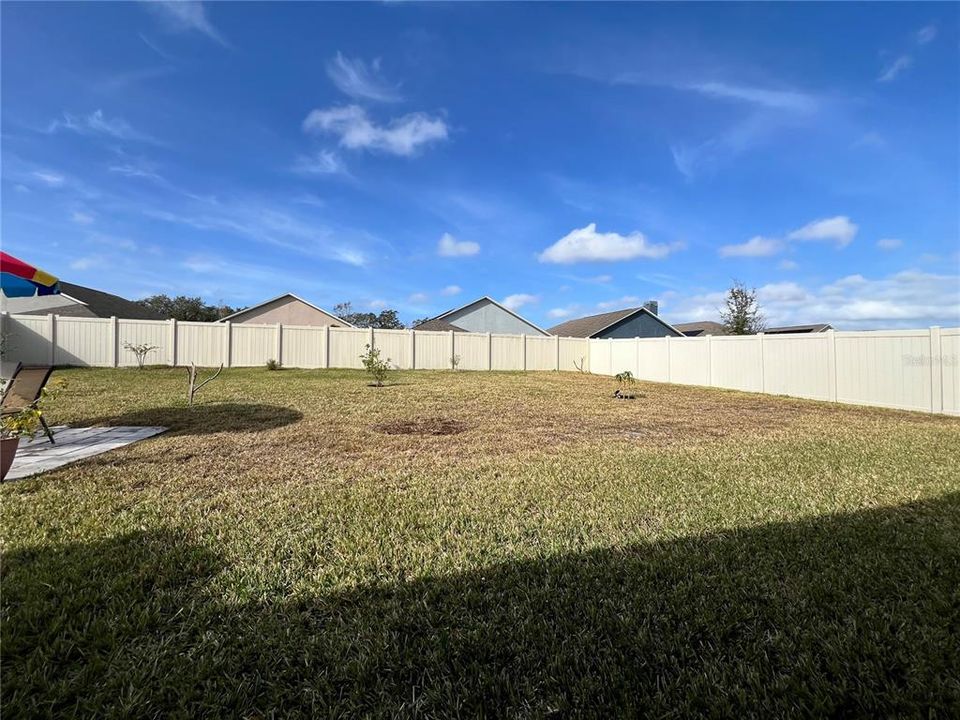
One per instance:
[(451, 290), (324, 162), (418, 298), (620, 302), (926, 34), (137, 171), (518, 300), (889, 243), (757, 246), (765, 97), (360, 81), (97, 123), (449, 246), (350, 256), (82, 218), (559, 313), (837, 229), (49, 177), (403, 136), (587, 245), (782, 292), (183, 16), (897, 66), (86, 263), (378, 304)]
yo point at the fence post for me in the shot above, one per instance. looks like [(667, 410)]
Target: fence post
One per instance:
[(710, 360), (52, 332), (523, 351), (936, 371), (173, 342), (227, 343), (763, 379), (114, 341), (279, 346), (558, 352), (669, 363), (832, 365), (489, 351), (371, 337), (636, 354), (413, 349), (453, 349), (326, 346)]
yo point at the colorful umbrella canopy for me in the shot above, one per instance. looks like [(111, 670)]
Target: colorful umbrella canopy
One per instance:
[(18, 279)]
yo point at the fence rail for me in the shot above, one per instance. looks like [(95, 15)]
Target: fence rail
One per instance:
[(904, 369)]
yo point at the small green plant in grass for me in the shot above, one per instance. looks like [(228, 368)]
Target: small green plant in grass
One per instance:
[(273, 364), (625, 381), (140, 351), (375, 365)]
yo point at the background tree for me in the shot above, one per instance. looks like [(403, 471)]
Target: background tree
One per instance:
[(742, 315), (188, 309), (385, 320)]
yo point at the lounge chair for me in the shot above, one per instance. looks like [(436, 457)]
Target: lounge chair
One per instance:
[(24, 389)]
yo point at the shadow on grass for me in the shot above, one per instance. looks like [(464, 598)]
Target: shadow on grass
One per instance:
[(852, 615), (202, 419)]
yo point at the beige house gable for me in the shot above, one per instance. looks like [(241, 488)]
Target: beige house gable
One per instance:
[(288, 310)]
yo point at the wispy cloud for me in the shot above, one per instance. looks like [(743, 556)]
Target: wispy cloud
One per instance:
[(81, 218), (839, 230), (97, 123), (418, 298), (766, 97), (361, 81), (451, 290), (757, 246), (587, 245), (889, 243), (49, 178), (449, 246), (402, 136), (620, 302), (186, 16), (324, 162), (926, 34), (518, 300), (893, 69)]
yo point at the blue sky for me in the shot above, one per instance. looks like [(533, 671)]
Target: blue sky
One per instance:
[(566, 159)]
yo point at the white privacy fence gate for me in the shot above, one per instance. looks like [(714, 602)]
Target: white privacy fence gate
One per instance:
[(905, 369), (100, 342)]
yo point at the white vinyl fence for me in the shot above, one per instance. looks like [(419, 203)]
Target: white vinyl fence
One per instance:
[(905, 369), (100, 342)]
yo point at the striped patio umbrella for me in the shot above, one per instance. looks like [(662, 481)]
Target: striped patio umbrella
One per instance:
[(19, 279)]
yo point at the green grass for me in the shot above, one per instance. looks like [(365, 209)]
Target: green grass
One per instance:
[(276, 554)]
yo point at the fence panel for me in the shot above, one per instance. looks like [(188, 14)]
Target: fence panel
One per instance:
[(735, 362), (304, 346), (541, 353), (950, 369), (395, 345), (575, 354), (690, 360), (252, 345), (29, 339), (84, 341), (623, 356), (346, 347), (506, 352), (654, 360), (889, 369), (199, 343), (143, 332), (797, 365), (473, 350), (433, 350)]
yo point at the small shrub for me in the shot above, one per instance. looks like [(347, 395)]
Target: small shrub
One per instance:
[(140, 351), (273, 364), (454, 362), (624, 380), (376, 366)]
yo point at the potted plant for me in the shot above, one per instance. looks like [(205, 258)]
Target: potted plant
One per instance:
[(24, 423)]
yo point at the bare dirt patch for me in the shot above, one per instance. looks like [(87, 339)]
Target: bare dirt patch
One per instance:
[(422, 426)]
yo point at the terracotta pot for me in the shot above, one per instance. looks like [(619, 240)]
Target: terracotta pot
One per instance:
[(8, 451)]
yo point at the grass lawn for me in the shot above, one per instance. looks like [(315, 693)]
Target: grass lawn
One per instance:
[(533, 547)]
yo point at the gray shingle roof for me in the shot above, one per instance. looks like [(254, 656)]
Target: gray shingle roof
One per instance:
[(103, 304), (592, 324), (703, 327)]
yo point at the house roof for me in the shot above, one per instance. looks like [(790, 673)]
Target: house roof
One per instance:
[(103, 304), (281, 297), (438, 325), (592, 325), (784, 329), (479, 300), (703, 327)]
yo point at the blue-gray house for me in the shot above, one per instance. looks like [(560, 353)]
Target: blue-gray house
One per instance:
[(484, 315), (642, 322)]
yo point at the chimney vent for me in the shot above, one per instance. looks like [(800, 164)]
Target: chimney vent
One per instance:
[(653, 306)]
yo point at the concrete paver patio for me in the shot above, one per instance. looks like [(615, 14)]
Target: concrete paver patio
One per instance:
[(73, 444)]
